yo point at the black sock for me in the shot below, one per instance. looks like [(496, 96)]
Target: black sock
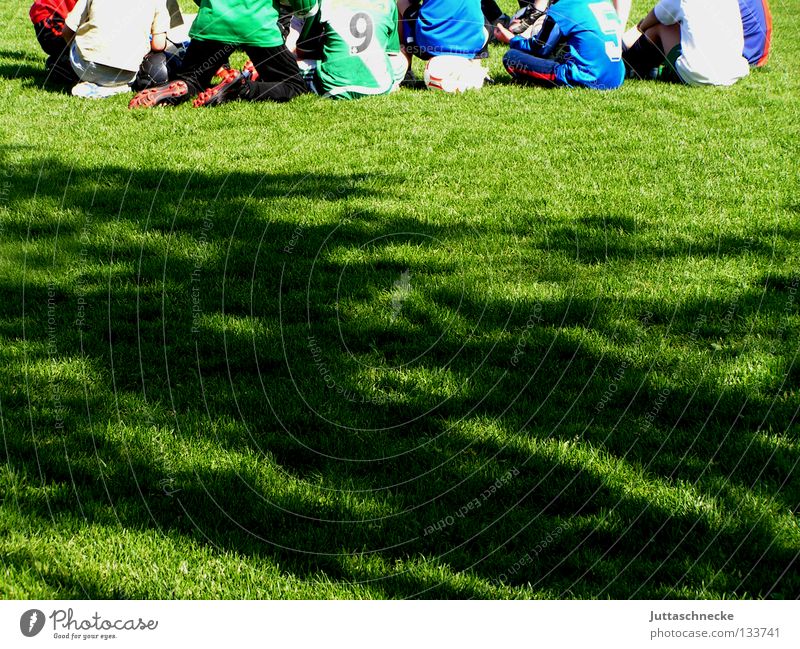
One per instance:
[(642, 57)]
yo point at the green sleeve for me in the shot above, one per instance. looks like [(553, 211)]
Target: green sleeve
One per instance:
[(310, 29)]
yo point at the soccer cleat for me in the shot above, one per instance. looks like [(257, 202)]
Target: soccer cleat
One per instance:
[(524, 19), (223, 71), (652, 74), (226, 90), (411, 81), (249, 71), (170, 94)]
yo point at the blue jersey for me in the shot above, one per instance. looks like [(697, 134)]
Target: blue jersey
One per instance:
[(592, 34), (454, 27), (757, 25)]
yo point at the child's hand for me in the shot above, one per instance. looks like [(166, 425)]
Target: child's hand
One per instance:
[(502, 34), (158, 43)]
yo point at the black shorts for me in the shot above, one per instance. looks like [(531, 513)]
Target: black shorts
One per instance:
[(408, 37), (48, 33)]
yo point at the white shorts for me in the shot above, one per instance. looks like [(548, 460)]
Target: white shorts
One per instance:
[(399, 69), (97, 73)]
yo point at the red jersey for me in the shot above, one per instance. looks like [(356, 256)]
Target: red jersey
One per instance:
[(44, 9)]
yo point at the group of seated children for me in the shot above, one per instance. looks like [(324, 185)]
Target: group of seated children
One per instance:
[(353, 48), (694, 42), (103, 48), (700, 43)]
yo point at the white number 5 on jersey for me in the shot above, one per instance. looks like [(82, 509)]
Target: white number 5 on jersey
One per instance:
[(608, 21)]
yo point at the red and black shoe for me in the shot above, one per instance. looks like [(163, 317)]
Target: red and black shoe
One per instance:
[(168, 94), (223, 72), (223, 92), (249, 70)]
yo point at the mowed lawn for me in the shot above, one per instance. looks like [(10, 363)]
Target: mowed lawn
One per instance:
[(511, 344)]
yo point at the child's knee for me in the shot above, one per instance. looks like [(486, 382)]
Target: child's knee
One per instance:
[(654, 34), (511, 62)]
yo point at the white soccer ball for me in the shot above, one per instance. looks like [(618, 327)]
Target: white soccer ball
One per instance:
[(453, 74)]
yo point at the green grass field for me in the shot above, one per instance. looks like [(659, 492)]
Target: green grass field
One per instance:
[(512, 344)]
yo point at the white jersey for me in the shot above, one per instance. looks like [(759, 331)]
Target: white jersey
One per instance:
[(712, 40)]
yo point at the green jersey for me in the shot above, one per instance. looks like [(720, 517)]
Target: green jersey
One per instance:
[(358, 36), (243, 22)]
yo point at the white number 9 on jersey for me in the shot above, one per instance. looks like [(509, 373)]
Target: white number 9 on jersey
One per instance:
[(362, 29)]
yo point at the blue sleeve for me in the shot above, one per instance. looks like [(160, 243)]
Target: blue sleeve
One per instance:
[(543, 44), (520, 43)]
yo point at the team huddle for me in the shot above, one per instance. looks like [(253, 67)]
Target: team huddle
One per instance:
[(346, 49)]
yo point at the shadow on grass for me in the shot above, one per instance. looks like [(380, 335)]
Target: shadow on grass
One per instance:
[(259, 363), (29, 69), (32, 75)]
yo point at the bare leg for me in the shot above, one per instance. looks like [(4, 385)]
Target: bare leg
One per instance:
[(650, 49), (665, 37), (402, 7)]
